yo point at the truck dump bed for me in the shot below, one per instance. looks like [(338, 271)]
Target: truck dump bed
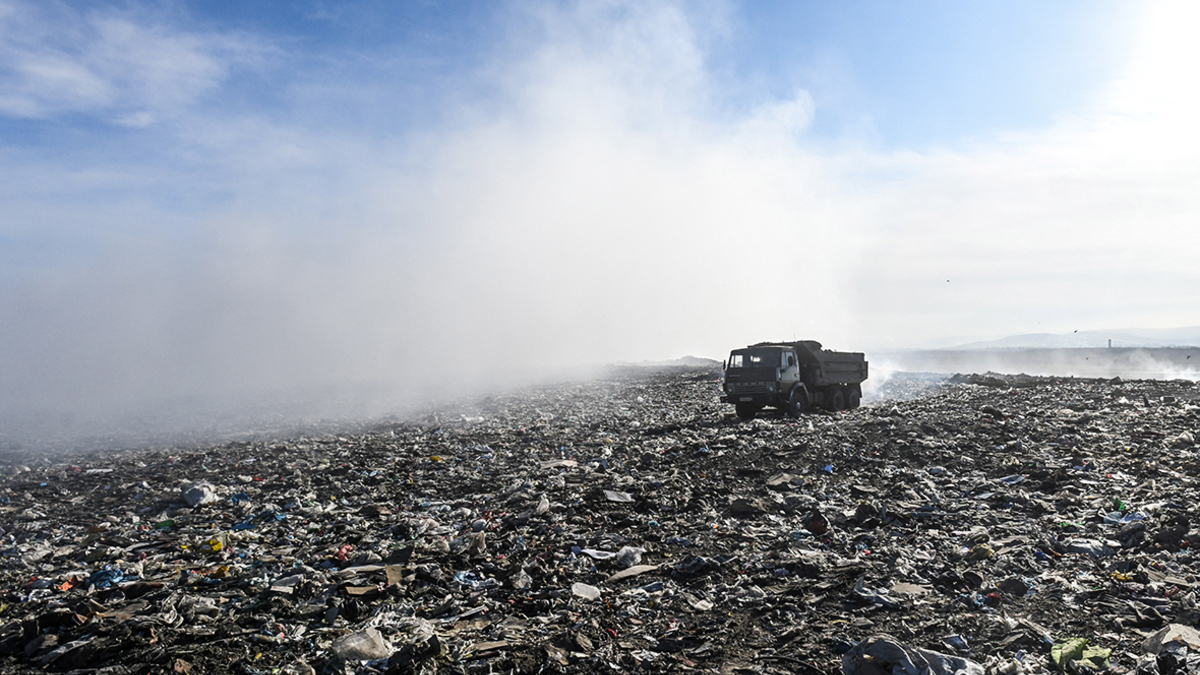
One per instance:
[(823, 367)]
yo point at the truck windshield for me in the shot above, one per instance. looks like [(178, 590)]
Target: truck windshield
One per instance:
[(754, 358)]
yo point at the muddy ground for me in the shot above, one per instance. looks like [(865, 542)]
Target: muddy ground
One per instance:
[(631, 523)]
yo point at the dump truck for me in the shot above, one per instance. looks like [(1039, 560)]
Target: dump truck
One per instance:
[(794, 377)]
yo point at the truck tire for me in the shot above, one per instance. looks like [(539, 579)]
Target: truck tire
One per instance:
[(853, 397), (796, 403), (835, 400), (745, 410)]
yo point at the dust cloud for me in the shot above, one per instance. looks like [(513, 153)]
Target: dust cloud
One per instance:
[(593, 214), (1163, 363)]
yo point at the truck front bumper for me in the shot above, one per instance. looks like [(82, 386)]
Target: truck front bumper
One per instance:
[(768, 398)]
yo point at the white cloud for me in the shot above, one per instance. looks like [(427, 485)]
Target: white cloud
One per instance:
[(57, 59), (781, 119), (138, 120)]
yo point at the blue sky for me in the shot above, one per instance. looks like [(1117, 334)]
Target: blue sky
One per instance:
[(902, 75), (912, 75), (211, 196)]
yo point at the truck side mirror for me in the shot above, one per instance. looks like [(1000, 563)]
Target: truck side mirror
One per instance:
[(723, 366)]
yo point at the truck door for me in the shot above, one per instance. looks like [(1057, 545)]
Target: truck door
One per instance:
[(789, 372)]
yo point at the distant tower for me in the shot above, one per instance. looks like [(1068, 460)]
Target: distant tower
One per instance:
[(1110, 343)]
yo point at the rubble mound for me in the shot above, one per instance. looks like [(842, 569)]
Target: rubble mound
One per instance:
[(1006, 524)]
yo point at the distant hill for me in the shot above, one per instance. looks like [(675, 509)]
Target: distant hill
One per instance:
[(688, 361), (1124, 337)]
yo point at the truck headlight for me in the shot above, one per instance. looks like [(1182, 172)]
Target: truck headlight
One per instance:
[(771, 387)]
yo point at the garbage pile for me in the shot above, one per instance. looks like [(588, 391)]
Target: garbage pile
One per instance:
[(995, 524)]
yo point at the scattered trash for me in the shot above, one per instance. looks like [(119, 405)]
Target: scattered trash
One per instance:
[(1173, 635), (884, 655), (199, 493), (631, 524), (364, 645), (585, 591), (1077, 650)]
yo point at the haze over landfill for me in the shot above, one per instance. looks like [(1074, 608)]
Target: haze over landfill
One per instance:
[(211, 204), (386, 338)]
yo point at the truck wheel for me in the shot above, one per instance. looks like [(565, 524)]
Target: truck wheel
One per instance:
[(745, 410), (835, 400), (795, 403), (853, 399)]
